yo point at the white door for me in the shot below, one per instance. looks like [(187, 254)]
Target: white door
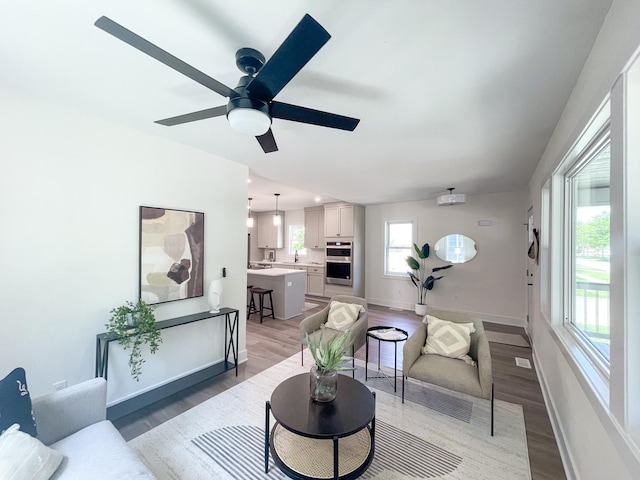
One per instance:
[(529, 268)]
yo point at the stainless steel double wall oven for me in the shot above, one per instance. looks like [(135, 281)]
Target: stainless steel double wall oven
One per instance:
[(338, 265)]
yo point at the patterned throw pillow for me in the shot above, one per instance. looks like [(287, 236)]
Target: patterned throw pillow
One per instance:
[(23, 457), (448, 339), (15, 403), (343, 315)]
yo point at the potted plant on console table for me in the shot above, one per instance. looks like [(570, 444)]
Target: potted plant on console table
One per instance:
[(135, 326), (418, 278)]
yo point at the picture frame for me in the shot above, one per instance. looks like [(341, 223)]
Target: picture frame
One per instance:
[(171, 260)]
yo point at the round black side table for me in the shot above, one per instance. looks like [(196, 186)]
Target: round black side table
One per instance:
[(386, 334)]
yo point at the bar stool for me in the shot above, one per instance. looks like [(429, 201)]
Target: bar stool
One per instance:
[(249, 287), (261, 292)]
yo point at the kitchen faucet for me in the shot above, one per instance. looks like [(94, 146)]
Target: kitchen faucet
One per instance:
[(295, 257)]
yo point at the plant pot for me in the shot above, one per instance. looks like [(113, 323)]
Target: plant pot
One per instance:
[(421, 309), (131, 319), (323, 385)]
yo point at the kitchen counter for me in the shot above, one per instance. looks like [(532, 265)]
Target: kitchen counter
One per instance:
[(274, 272), (288, 287), (287, 264)]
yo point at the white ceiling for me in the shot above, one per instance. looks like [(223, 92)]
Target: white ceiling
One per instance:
[(450, 93)]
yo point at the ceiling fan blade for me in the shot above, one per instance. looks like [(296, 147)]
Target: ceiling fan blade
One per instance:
[(268, 142), (161, 55), (295, 113), (306, 39), (195, 116)]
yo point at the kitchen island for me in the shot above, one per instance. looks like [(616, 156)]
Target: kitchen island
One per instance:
[(288, 287)]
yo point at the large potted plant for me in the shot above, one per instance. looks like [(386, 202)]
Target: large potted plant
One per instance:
[(422, 280), (135, 326), (329, 357)]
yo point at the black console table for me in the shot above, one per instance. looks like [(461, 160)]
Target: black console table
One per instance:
[(231, 335)]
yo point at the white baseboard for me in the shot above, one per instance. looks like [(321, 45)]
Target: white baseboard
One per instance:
[(565, 453), (514, 322)]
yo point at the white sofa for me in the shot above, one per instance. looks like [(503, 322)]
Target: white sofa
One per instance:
[(73, 422)]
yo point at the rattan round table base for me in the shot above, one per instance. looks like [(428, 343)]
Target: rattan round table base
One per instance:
[(313, 458)]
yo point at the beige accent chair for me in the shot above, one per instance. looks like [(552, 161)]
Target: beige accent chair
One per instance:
[(311, 325), (451, 373)]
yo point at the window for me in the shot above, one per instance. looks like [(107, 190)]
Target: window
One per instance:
[(398, 245), (296, 240), (588, 247)]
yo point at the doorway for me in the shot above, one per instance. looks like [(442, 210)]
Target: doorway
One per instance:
[(529, 267)]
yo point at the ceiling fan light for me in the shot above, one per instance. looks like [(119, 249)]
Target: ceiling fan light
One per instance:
[(249, 121)]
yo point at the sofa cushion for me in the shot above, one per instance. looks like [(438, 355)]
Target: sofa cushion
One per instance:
[(447, 372), (15, 403), (448, 339), (343, 315), (98, 451), (23, 457)]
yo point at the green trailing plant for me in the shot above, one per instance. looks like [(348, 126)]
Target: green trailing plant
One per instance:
[(423, 280), (143, 331), (329, 355)]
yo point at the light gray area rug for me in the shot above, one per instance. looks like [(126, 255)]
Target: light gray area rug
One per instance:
[(223, 438), (507, 339)]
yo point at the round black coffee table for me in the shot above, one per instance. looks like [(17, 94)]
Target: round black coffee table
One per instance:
[(312, 440)]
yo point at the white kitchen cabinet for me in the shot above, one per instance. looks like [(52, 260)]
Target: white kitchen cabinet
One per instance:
[(269, 235), (314, 228), (306, 283), (315, 281), (338, 221)]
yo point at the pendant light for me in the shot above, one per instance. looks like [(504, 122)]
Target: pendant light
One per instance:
[(277, 218), (451, 198), (249, 217)]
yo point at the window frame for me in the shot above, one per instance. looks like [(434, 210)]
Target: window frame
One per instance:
[(583, 352), (303, 252), (386, 247), (589, 154)]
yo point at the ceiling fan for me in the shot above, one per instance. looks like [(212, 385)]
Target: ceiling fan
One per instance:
[(251, 105)]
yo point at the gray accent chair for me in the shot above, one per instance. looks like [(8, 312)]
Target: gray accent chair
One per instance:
[(358, 331), (451, 373)]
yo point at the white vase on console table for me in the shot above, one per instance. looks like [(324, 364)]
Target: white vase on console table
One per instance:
[(214, 295)]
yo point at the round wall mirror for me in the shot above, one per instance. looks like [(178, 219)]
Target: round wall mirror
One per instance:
[(455, 248)]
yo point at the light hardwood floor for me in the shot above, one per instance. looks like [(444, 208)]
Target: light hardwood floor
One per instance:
[(274, 340)]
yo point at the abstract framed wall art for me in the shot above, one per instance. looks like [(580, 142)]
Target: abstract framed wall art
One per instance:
[(171, 254)]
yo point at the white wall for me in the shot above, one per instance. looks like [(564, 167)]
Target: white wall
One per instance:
[(492, 284), (591, 438), (70, 188)]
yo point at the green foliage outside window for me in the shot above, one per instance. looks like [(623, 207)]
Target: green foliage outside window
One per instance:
[(594, 234), (296, 239)]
